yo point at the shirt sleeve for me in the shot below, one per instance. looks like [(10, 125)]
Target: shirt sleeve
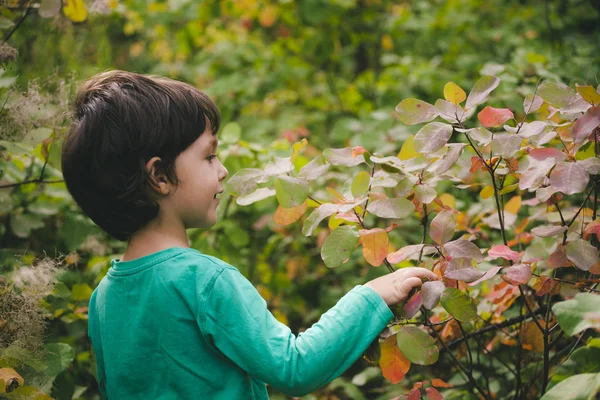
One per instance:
[(96, 341), (236, 320)]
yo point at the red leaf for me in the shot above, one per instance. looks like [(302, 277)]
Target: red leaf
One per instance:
[(392, 362), (517, 274), (493, 117), (414, 394), (357, 150), (502, 250), (412, 306), (543, 153), (433, 394)]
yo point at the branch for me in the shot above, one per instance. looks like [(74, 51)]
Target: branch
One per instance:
[(25, 14)]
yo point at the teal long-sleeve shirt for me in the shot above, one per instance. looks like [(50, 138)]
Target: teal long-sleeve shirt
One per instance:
[(178, 324)]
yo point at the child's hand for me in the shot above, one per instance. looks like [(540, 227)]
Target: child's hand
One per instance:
[(395, 287)]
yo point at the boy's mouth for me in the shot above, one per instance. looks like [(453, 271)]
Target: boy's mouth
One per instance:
[(216, 194)]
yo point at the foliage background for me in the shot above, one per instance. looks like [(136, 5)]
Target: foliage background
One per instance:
[(328, 70)]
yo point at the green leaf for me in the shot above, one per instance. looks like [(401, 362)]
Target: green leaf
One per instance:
[(318, 215), (575, 315), (417, 346), (23, 224), (398, 207), (59, 356), (414, 111), (339, 245), (583, 361), (577, 387), (26, 393), (360, 184), (343, 157), (458, 304), (432, 137), (16, 148), (61, 291), (231, 133), (481, 90), (290, 192), (5, 23), (253, 197), (35, 136), (581, 253), (81, 291)]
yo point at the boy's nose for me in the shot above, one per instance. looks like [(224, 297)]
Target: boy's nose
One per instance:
[(224, 173)]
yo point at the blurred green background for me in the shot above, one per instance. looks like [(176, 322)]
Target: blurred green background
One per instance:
[(328, 70)]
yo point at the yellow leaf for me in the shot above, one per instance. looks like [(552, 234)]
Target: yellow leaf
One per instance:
[(487, 192), (268, 16), (334, 193), (453, 93), (408, 149), (589, 94), (448, 200), (10, 379), (392, 362), (532, 338), (75, 10), (514, 205), (375, 245), (286, 216), (387, 43), (298, 148)]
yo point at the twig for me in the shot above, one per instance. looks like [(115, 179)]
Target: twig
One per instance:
[(25, 14)]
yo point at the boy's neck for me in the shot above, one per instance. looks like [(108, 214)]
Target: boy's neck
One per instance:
[(154, 237)]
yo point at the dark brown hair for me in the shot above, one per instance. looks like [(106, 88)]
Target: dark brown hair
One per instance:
[(120, 121)]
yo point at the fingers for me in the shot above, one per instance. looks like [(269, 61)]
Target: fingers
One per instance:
[(421, 273)]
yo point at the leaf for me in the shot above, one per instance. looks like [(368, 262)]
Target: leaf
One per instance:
[(544, 153), (404, 253), (463, 248), (443, 164), (513, 205), (375, 244), (314, 169), (343, 157), (453, 93), (9, 378), (81, 292), (462, 269), (586, 124), (489, 274), (576, 387), (23, 224), (569, 177), (5, 23), (231, 133), (75, 10), (425, 193), (245, 181), (449, 112), (548, 231), (398, 207), (27, 393), (481, 135), (58, 357), (440, 383), (486, 192), (481, 90), (408, 149), (257, 195), (413, 111), (494, 117), (286, 216), (392, 362), (583, 360), (339, 245), (581, 253), (432, 137), (589, 94), (442, 227), (433, 394), (503, 251), (557, 94), (360, 184), (531, 129), (534, 175), (572, 314), (412, 306), (431, 292), (531, 337), (532, 103), (290, 192), (458, 305), (318, 215), (417, 346), (517, 274), (49, 8), (506, 144)]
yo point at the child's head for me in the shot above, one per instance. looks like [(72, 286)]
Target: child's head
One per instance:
[(140, 146)]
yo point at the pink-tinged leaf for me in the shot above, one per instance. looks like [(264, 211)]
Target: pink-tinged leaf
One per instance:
[(517, 274), (503, 251), (431, 292), (414, 111), (558, 259), (432, 137), (356, 150), (375, 244), (481, 135), (433, 394), (481, 90), (404, 253), (557, 94), (506, 144), (415, 394), (392, 362), (533, 176), (569, 177), (592, 165), (548, 231), (593, 228), (452, 113), (586, 124), (442, 227), (489, 274), (543, 153), (444, 163), (494, 117), (425, 193), (463, 248), (543, 194), (412, 306), (581, 253), (462, 269), (532, 103)]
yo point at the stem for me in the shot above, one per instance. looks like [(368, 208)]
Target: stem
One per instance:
[(369, 190), (425, 222)]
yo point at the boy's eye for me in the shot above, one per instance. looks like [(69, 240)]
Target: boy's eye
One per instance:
[(211, 157)]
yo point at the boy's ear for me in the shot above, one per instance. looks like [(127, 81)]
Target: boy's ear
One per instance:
[(157, 179)]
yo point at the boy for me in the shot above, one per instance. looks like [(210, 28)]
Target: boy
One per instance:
[(168, 322)]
